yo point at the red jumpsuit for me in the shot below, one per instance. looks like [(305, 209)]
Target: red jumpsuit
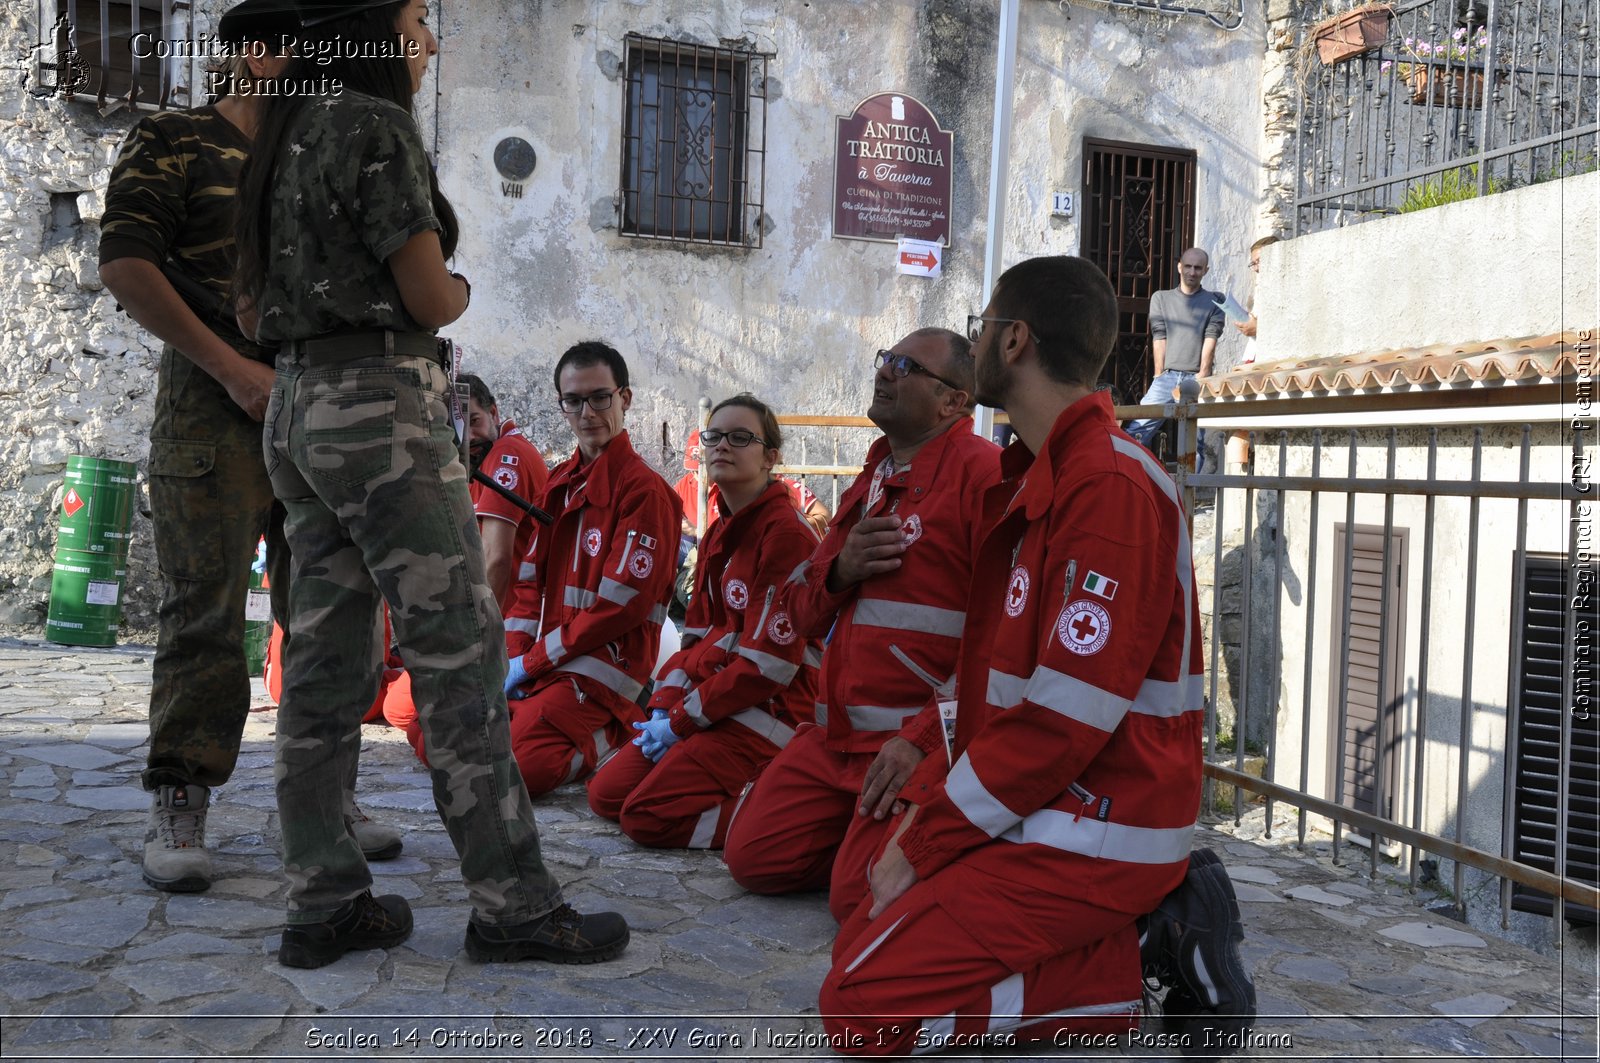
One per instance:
[(893, 643), (586, 619), (1070, 808), (515, 464), (734, 695)]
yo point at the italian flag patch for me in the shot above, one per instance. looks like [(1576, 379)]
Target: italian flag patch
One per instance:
[(1095, 583)]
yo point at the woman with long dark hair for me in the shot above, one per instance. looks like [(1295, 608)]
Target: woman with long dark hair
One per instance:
[(342, 240)]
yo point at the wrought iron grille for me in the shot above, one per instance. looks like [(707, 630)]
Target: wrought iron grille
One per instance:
[(694, 142), (1138, 217), (87, 52), (1454, 99)]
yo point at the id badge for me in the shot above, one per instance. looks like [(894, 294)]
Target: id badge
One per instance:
[(947, 720)]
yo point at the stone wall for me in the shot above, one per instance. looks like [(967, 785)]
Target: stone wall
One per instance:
[(795, 321)]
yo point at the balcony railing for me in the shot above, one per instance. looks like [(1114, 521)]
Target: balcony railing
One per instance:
[(1458, 98)]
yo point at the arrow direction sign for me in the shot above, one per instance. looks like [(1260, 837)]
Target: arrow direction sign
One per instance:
[(920, 258)]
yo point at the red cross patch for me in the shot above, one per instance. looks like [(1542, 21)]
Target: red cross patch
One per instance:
[(1083, 627), (736, 594), (591, 542), (911, 530), (640, 564), (1017, 592), (780, 629), (506, 477), (73, 502)]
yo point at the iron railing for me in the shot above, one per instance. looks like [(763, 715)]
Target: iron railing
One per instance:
[(1302, 470), (1461, 98), (116, 52)]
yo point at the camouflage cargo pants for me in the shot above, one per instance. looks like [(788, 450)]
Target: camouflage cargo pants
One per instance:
[(210, 503), (363, 457)]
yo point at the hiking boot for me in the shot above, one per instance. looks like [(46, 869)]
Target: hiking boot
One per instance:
[(367, 922), (1190, 944), (175, 857), (378, 842), (561, 936)]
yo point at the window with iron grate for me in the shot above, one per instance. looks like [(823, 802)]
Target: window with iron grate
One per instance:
[(114, 51), (693, 143)]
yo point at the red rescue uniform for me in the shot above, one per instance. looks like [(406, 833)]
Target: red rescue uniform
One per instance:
[(893, 644), (1070, 808), (734, 695), (586, 620), (515, 464)]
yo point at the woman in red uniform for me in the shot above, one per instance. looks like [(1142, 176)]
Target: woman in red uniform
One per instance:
[(730, 699)]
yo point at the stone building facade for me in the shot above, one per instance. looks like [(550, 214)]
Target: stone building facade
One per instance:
[(795, 319)]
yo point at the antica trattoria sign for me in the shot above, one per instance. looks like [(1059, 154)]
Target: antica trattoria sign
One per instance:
[(891, 172)]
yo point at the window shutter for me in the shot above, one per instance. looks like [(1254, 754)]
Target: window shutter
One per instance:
[(1537, 747)]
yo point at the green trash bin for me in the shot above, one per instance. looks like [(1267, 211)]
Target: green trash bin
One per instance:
[(85, 598), (97, 506), (257, 614)]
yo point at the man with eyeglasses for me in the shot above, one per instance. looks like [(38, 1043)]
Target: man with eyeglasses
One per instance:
[(584, 628), (1032, 882), (890, 583)]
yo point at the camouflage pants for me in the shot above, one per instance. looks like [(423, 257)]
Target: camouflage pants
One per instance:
[(210, 503), (363, 457)]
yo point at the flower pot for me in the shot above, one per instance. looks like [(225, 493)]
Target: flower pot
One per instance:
[(1445, 88), (1353, 33)]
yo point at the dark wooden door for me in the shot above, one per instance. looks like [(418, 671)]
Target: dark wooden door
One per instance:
[(1138, 217)]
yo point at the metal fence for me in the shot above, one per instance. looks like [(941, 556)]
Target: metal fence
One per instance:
[(1432, 101), (1336, 468)]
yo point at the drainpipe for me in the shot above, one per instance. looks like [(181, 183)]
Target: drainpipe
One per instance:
[(999, 159)]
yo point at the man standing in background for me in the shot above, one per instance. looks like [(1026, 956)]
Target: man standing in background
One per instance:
[(1184, 325)]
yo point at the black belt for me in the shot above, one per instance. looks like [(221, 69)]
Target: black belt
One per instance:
[(376, 343)]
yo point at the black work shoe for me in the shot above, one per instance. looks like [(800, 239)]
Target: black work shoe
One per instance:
[(561, 936), (1191, 945), (367, 922)]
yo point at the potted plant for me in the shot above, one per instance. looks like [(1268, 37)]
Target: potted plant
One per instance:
[(1442, 74), (1352, 33)]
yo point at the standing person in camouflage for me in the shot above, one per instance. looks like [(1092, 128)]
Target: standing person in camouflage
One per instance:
[(343, 236), (166, 253)]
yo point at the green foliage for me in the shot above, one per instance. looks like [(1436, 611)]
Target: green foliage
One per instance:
[(1451, 186)]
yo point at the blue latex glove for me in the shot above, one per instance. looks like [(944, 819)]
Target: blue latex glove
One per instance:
[(516, 675), (656, 735)]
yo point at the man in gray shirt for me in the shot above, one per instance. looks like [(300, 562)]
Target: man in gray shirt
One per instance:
[(1184, 325)]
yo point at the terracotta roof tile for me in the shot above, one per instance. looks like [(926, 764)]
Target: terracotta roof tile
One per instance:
[(1444, 365)]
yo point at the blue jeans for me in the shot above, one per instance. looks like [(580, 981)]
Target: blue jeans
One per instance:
[(1162, 390)]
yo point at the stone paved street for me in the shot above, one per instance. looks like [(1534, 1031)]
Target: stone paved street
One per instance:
[(95, 965)]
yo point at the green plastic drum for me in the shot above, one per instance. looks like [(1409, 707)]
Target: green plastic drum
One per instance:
[(85, 598), (97, 506), (257, 620)]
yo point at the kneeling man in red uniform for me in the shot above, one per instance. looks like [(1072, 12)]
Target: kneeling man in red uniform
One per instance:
[(1030, 884), (584, 628)]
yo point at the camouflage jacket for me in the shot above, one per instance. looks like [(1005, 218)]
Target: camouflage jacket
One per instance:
[(351, 188), (170, 201)]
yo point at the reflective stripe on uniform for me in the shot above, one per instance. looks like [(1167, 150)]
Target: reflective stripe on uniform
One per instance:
[(908, 616), (675, 678), (766, 725), (696, 632), (1108, 841), (578, 597), (1076, 699), (974, 801), (774, 668), (527, 627), (878, 717), (1005, 1003), (819, 714), (613, 679), (812, 657), (705, 829), (727, 642), (1159, 698), (554, 649), (696, 709), (658, 615), (527, 570), (616, 593)]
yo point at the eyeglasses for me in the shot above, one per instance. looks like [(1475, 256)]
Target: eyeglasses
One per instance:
[(903, 366), (975, 324), (598, 401), (736, 438)]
